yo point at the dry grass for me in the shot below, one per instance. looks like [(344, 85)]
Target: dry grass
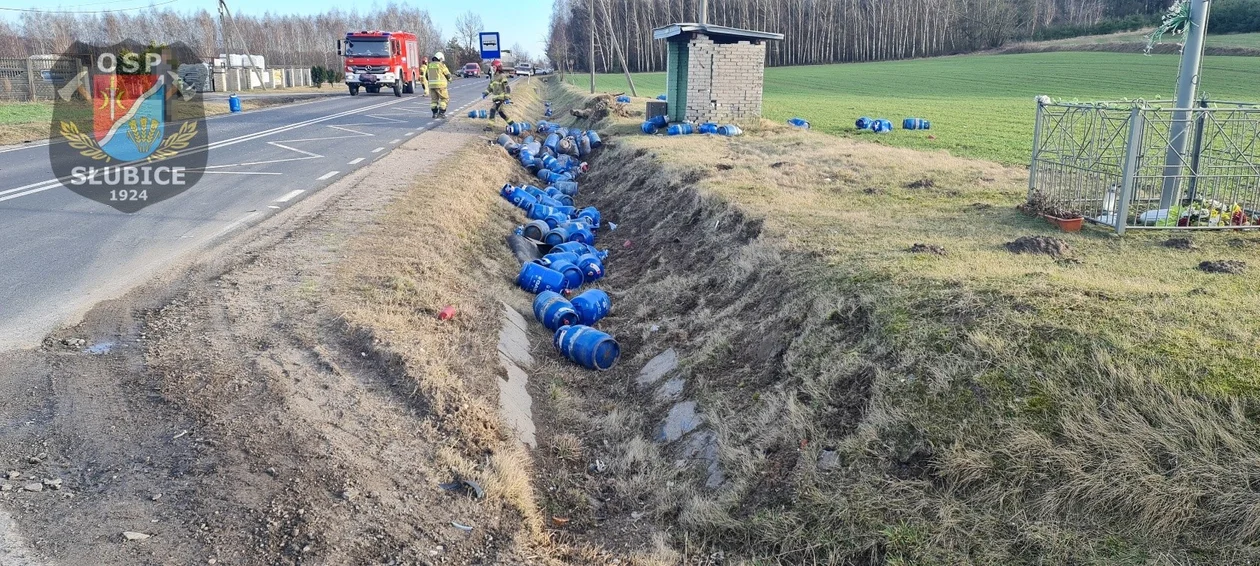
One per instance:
[(985, 407)]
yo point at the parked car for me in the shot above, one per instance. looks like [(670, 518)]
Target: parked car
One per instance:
[(542, 71), (470, 71), (525, 69)]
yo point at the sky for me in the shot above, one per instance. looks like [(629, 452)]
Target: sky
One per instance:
[(517, 21)]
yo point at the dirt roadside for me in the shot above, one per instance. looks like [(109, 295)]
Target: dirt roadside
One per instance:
[(237, 410)]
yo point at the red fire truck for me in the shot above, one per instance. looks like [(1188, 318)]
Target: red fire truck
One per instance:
[(381, 59)]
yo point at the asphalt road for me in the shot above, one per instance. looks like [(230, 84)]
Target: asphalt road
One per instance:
[(63, 253)]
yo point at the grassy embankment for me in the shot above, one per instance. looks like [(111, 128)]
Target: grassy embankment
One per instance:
[(983, 407), (980, 106)]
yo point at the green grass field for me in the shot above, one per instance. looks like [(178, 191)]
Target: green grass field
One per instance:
[(1251, 40), (980, 105)]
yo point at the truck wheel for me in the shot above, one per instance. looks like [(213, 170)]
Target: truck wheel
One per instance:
[(409, 87), (354, 90), (398, 87)]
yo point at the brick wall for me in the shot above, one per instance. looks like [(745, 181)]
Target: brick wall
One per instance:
[(724, 80)]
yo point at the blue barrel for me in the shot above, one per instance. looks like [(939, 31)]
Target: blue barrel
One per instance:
[(521, 198), (547, 113), (584, 146), (574, 247), (504, 140), (659, 121), (798, 123), (881, 126), (472, 113), (661, 97), (648, 128), (537, 192), (682, 129), (592, 267), (548, 201), (707, 128), (915, 124), (537, 278), (587, 347), (525, 155), (539, 212), (623, 99), (550, 162), (565, 200), (567, 187), (553, 310), (552, 140), (554, 220), (506, 191), (863, 123), (561, 234), (536, 229), (573, 278), (591, 306), (591, 214), (483, 113), (561, 255), (594, 139), (582, 234), (234, 103), (529, 140), (729, 130)]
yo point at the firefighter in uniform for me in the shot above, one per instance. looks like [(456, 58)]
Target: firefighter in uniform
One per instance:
[(501, 91), (438, 77), (424, 76)]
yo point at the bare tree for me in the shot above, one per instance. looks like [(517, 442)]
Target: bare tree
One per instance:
[(467, 29)]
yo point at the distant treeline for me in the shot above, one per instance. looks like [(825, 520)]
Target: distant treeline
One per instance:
[(830, 31), (283, 39)]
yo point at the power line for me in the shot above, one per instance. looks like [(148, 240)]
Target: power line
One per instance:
[(115, 10)]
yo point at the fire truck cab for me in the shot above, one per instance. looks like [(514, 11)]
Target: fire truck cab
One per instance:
[(381, 59)]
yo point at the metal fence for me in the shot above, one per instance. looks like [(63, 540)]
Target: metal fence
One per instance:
[(35, 78), (1111, 163)]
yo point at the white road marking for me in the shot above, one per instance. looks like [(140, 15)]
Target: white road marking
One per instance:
[(235, 224), (395, 141), (30, 192), (53, 183), (272, 206), (290, 195), (242, 172), (356, 161), (409, 134), (378, 150), (328, 175)]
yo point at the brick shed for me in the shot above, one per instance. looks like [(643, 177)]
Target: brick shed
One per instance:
[(714, 73)]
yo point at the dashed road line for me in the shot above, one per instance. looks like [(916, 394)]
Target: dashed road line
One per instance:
[(378, 150), (395, 141), (356, 161), (290, 195), (327, 175)]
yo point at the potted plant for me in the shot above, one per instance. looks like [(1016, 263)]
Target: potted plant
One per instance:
[(1053, 210)]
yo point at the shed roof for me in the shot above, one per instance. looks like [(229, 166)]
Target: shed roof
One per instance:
[(679, 29)]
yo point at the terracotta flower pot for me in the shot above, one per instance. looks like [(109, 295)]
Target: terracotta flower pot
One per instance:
[(1065, 224)]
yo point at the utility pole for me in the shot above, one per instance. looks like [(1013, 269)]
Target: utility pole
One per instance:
[(224, 16), (591, 28), (1187, 83), (704, 12), (620, 54)]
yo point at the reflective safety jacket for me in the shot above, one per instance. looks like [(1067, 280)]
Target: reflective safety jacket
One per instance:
[(499, 87), (437, 74)]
